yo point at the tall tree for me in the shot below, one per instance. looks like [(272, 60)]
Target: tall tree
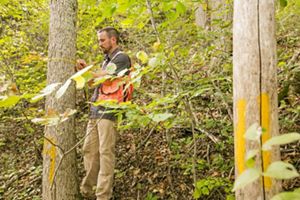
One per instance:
[(255, 96), (61, 53)]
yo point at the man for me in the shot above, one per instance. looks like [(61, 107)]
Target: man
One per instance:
[(99, 145)]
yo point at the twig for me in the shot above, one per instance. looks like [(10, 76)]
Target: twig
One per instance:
[(207, 154), (152, 19), (224, 101), (56, 145), (147, 138)]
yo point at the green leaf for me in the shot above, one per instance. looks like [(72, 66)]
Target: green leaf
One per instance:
[(197, 193), (281, 170), (283, 3), (63, 89), (9, 101), (3, 2), (160, 117), (180, 8), (295, 195), (142, 56), (247, 177), (281, 139), (250, 161), (253, 132)]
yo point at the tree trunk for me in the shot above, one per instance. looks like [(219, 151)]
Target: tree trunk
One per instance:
[(269, 101), (255, 96), (62, 50), (201, 16)]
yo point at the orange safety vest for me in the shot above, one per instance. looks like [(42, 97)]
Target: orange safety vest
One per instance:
[(118, 89)]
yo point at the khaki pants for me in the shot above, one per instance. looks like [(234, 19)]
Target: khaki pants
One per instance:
[(99, 158)]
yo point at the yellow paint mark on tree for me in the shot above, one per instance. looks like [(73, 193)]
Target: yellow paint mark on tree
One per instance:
[(265, 123), (50, 150), (240, 130)]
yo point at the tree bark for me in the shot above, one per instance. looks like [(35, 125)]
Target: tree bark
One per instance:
[(254, 88), (269, 96), (61, 53)]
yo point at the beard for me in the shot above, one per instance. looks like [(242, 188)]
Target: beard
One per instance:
[(106, 50)]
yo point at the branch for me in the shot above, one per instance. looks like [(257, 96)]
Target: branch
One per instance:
[(147, 138)]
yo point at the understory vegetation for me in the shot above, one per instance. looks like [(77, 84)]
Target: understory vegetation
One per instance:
[(179, 127)]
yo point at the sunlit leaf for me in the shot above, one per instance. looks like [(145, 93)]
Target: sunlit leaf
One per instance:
[(69, 112), (3, 2), (99, 80), (80, 81), (281, 139), (295, 195), (247, 177), (9, 101), (123, 72), (27, 96), (81, 72), (180, 8), (63, 89), (156, 46), (160, 117), (250, 158), (48, 121), (142, 56), (281, 170), (46, 91), (253, 132)]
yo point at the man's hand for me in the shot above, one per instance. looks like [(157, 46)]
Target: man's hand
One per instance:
[(80, 64)]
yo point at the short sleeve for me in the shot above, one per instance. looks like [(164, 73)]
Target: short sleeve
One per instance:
[(122, 61)]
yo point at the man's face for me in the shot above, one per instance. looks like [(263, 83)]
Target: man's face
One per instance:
[(105, 42)]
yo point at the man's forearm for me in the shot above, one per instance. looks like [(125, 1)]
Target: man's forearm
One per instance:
[(99, 74)]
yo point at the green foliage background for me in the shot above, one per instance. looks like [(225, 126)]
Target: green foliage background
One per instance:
[(190, 63)]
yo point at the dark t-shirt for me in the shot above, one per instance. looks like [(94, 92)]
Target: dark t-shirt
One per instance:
[(122, 61)]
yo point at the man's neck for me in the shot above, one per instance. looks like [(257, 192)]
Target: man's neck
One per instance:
[(112, 51)]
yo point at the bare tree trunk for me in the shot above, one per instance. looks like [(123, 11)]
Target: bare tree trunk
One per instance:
[(255, 96), (268, 99), (62, 50)]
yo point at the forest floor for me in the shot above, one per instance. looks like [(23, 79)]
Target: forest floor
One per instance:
[(146, 168)]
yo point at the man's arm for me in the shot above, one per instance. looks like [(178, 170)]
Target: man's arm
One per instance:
[(122, 61), (99, 73)]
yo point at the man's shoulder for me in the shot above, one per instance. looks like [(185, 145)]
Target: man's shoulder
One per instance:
[(122, 56), (121, 60)]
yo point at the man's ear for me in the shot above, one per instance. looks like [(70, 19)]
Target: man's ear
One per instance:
[(114, 39)]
